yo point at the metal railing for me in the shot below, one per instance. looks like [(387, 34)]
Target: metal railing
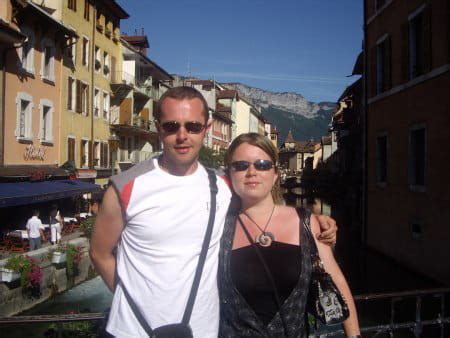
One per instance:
[(394, 324), (415, 327)]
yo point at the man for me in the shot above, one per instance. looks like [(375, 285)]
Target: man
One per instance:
[(149, 231), (34, 229)]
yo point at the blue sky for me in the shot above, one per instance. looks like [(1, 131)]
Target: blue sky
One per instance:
[(302, 46)]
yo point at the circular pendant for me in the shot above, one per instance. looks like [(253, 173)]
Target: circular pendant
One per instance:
[(265, 239)]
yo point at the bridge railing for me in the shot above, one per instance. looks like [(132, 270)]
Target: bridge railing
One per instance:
[(388, 316)]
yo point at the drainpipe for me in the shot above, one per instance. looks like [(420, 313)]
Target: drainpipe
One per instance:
[(94, 20), (365, 138)]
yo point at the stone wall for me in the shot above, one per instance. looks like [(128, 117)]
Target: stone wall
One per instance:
[(54, 280)]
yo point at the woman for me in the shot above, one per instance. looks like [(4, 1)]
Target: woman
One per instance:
[(248, 306), (56, 225)]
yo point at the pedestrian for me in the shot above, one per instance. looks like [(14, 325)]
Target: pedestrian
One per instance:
[(265, 265), (150, 228), (35, 231), (56, 225)]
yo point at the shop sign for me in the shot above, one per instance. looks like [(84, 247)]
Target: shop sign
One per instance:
[(34, 153), (86, 173)]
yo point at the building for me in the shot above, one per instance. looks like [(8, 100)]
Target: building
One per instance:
[(408, 80), (33, 85), (297, 157), (10, 37), (138, 83), (247, 118), (223, 118), (89, 62)]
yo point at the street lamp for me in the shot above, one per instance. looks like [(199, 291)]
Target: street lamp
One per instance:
[(113, 142)]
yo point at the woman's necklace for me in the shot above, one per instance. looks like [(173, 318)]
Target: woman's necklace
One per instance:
[(265, 238)]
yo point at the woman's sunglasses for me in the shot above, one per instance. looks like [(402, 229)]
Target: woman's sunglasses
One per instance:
[(192, 127), (261, 165)]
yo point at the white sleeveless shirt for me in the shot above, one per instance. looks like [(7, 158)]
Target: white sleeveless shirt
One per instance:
[(166, 217)]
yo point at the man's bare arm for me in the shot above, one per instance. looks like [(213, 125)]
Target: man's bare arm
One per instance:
[(328, 229), (106, 234)]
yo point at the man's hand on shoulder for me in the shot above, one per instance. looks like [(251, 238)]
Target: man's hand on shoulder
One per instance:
[(328, 229)]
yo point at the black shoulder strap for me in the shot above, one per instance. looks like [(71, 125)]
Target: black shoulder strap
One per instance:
[(201, 262)]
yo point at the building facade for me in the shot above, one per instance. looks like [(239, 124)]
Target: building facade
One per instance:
[(137, 85), (90, 62), (33, 78), (408, 61)]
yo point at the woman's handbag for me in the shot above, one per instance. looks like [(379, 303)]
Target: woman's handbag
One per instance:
[(183, 329), (325, 301)]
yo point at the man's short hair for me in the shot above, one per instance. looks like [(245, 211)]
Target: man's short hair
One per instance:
[(181, 93)]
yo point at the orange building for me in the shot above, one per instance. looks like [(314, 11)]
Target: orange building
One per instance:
[(33, 88)]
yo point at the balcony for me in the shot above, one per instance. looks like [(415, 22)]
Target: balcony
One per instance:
[(122, 78)]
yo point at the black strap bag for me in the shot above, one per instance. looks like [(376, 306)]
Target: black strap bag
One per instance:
[(183, 329), (325, 301)]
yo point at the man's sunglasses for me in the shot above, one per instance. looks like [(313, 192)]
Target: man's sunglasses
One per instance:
[(192, 127), (261, 165)]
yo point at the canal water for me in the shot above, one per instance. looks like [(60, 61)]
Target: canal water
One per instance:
[(366, 271)]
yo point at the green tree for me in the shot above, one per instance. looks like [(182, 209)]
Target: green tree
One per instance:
[(210, 158)]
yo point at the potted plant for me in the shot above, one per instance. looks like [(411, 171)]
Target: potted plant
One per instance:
[(59, 255), (11, 270), (30, 273), (73, 259), (86, 226)]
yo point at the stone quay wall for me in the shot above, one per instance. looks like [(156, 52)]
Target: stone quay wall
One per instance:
[(54, 279)]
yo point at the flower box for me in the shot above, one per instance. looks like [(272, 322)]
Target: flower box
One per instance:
[(8, 275), (58, 257)]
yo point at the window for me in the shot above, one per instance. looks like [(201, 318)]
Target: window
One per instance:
[(71, 49), (416, 228), (96, 154), (98, 62), (48, 62), (72, 4), (24, 111), (417, 157), (86, 9), (384, 64), (106, 69), (71, 93), (381, 159), (416, 45), (96, 102), (71, 149), (27, 51), (46, 114), (85, 56), (104, 155), (84, 153), (82, 100), (105, 105)]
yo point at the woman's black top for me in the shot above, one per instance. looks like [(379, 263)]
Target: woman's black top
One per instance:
[(254, 312), (251, 279)]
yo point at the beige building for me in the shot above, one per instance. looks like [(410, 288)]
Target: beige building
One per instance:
[(33, 83), (86, 91), (138, 83)]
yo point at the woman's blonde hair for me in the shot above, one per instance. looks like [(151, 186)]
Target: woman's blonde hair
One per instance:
[(265, 145)]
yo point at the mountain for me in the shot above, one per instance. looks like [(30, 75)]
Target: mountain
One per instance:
[(290, 111)]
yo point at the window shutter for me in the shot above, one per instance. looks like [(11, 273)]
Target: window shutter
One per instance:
[(88, 104), (427, 44), (405, 51), (78, 101), (69, 93), (82, 152), (113, 68), (90, 153)]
